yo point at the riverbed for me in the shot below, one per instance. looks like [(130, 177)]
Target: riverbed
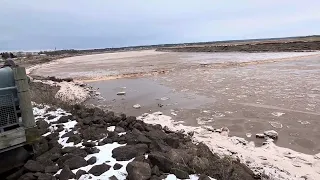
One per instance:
[(247, 92)]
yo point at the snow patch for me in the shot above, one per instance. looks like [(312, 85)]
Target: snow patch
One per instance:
[(111, 128), (123, 133), (69, 91), (105, 156), (191, 177), (68, 126), (275, 162)]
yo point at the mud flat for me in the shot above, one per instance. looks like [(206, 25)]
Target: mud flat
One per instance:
[(289, 46), (247, 92), (149, 62)]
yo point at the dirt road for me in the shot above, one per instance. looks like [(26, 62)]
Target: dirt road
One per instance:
[(246, 92)]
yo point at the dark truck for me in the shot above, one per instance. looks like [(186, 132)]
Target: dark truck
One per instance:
[(18, 132)]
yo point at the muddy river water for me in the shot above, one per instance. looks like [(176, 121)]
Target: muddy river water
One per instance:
[(247, 92)]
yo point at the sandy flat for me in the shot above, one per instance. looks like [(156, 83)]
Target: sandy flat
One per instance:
[(138, 63)]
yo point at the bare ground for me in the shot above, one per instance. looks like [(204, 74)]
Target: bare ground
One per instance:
[(289, 46)]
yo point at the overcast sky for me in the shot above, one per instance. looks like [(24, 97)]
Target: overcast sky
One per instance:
[(79, 24)]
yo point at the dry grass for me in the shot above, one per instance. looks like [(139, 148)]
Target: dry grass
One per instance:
[(45, 94)]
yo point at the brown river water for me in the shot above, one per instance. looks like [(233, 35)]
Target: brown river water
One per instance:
[(247, 92)]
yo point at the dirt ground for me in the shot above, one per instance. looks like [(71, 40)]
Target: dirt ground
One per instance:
[(246, 92), (259, 46)]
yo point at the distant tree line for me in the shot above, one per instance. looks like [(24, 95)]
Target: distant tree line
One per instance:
[(73, 51), (59, 52)]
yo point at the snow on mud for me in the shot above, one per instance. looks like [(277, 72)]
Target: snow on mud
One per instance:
[(276, 162), (69, 91)]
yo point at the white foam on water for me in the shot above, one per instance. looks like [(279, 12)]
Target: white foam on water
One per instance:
[(275, 124), (304, 122), (278, 114), (173, 113)]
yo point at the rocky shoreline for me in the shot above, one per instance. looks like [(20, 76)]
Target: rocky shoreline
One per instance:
[(70, 141), (73, 137)]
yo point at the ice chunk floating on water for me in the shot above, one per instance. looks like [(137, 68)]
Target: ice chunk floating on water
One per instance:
[(277, 114)]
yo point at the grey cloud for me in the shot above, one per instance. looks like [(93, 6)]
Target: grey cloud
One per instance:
[(37, 24)]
